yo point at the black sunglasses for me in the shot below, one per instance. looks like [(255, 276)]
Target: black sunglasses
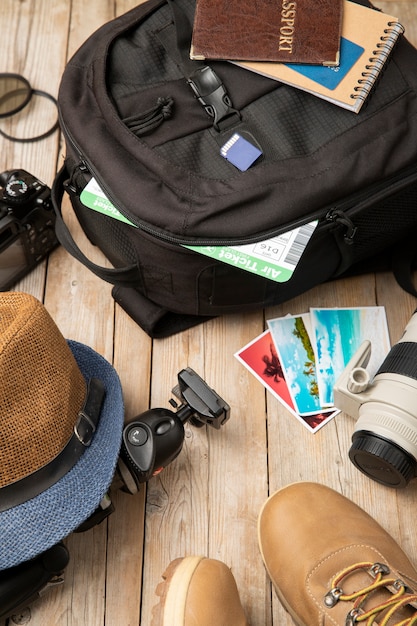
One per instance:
[(16, 93)]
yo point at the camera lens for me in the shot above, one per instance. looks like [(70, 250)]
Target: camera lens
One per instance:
[(384, 446), (382, 460), (15, 93)]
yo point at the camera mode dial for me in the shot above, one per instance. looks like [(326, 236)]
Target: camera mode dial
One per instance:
[(16, 189)]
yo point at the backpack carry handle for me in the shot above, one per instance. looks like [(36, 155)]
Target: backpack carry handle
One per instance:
[(153, 318), (123, 276)]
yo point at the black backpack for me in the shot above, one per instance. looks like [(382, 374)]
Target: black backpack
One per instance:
[(148, 125)]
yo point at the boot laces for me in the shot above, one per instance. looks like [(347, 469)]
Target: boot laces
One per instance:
[(401, 596)]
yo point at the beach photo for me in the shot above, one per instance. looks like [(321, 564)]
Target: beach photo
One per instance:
[(337, 334), (292, 342)]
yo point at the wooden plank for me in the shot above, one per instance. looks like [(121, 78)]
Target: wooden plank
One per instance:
[(113, 336), (131, 350), (132, 360), (206, 502), (30, 34), (82, 307)]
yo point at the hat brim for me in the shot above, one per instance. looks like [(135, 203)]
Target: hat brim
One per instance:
[(38, 524)]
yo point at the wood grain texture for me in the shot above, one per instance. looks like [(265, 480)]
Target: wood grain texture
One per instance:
[(208, 499)]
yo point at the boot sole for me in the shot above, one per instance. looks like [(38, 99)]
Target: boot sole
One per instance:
[(170, 611)]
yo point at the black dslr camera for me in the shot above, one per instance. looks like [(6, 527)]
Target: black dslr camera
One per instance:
[(27, 225)]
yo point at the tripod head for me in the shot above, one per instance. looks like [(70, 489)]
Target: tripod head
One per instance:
[(154, 439)]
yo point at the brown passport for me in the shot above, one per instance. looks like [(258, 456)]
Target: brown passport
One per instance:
[(288, 31)]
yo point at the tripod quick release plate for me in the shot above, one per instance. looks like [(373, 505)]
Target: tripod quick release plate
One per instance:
[(201, 404)]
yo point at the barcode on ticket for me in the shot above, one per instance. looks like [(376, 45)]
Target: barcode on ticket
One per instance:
[(299, 244)]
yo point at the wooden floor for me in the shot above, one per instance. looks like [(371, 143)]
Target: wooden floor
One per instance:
[(208, 500)]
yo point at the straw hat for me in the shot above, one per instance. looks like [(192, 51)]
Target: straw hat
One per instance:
[(61, 409)]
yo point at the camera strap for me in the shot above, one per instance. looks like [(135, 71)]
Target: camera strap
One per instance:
[(32, 485)]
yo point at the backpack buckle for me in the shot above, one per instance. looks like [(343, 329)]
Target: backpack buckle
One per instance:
[(212, 94)]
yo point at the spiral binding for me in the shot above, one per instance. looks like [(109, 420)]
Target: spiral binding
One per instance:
[(377, 62)]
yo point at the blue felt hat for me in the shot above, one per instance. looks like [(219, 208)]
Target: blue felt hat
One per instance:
[(59, 441)]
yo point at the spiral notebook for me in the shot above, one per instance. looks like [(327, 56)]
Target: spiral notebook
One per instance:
[(368, 37)]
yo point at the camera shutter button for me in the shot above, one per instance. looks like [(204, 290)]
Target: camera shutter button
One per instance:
[(137, 436)]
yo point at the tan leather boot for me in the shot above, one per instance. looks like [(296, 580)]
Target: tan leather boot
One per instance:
[(198, 591), (331, 563)]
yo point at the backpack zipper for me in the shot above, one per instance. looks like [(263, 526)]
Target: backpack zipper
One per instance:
[(335, 215)]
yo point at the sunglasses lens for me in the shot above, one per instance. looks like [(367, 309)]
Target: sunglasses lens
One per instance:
[(15, 93)]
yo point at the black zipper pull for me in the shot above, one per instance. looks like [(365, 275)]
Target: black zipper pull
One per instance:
[(338, 217), (76, 183)]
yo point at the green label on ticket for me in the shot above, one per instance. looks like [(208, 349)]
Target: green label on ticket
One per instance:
[(275, 258)]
